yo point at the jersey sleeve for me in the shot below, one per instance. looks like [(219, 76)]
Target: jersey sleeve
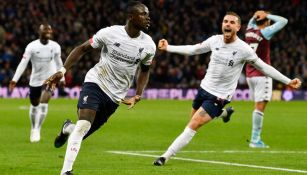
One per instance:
[(99, 39), (251, 23), (196, 49), (23, 63), (58, 59), (270, 71), (279, 23), (250, 55), (150, 53)]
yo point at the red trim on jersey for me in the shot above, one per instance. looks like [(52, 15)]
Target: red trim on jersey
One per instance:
[(91, 40)]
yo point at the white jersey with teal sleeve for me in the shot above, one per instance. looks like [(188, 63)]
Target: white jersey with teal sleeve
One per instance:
[(119, 59), (45, 60)]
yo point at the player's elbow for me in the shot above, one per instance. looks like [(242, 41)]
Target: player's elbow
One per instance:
[(284, 21)]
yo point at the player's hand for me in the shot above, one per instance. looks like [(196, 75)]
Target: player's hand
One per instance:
[(260, 15), (131, 101), (295, 83), (53, 80), (162, 45), (12, 86)]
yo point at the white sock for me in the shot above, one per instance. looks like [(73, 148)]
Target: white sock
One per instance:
[(74, 144), (69, 128), (33, 115), (182, 140), (42, 114), (257, 126)]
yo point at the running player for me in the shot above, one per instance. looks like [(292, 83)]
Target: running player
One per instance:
[(123, 49), (229, 54), (45, 57)]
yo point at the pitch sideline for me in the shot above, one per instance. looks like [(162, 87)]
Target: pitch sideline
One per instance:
[(210, 162)]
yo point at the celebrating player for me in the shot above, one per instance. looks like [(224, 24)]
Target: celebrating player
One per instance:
[(123, 49), (229, 54), (258, 35), (45, 56)]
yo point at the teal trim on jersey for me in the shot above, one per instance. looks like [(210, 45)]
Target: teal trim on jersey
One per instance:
[(147, 57)]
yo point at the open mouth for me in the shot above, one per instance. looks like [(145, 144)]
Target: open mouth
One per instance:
[(227, 30)]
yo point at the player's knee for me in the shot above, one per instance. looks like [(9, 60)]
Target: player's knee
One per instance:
[(34, 102), (44, 108), (82, 127)]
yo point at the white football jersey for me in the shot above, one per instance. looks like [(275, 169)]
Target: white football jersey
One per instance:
[(119, 59), (225, 66), (45, 60)]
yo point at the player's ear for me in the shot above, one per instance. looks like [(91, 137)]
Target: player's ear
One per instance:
[(238, 27)]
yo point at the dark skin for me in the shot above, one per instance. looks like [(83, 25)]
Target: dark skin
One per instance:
[(45, 33), (138, 20)]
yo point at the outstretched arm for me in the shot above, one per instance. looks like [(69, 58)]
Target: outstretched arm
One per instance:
[(184, 49), (19, 71), (74, 56), (275, 74)]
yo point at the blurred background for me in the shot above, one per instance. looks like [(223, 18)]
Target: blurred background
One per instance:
[(179, 21)]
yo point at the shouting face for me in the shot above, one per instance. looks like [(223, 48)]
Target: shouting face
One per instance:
[(230, 27)]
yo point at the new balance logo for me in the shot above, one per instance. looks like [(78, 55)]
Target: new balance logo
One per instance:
[(234, 52), (116, 44)]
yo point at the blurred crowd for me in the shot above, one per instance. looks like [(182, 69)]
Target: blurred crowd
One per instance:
[(179, 21)]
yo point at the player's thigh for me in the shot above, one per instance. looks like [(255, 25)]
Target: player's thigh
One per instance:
[(262, 88), (210, 103), (94, 104), (46, 95), (199, 118), (106, 108), (35, 94)]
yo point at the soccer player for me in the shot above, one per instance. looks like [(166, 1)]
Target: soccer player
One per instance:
[(258, 35), (123, 50), (229, 54), (45, 57)]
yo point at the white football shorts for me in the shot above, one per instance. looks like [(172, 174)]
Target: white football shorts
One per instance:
[(260, 88)]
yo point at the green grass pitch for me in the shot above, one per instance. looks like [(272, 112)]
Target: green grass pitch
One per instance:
[(141, 134)]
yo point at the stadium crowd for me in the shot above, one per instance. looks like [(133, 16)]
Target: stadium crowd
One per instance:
[(179, 21)]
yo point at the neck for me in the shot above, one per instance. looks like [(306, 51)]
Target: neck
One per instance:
[(132, 31), (230, 40), (43, 41)]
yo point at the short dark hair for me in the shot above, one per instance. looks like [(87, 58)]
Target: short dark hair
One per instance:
[(234, 14), (131, 6), (261, 22)]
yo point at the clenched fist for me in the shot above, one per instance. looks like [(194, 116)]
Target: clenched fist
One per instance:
[(295, 83), (162, 45), (53, 80)]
